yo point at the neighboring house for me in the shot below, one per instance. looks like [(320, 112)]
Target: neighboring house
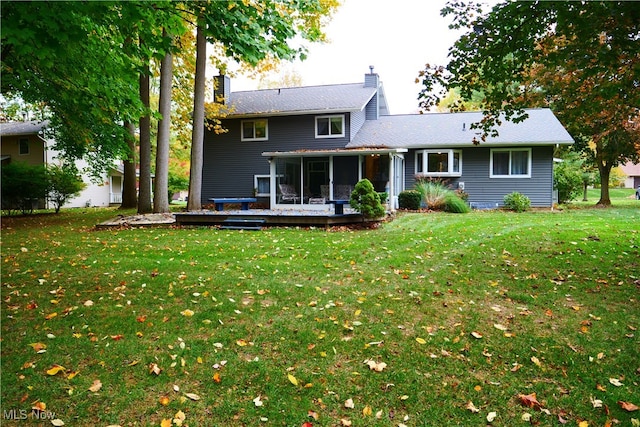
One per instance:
[(632, 174), (301, 147), (27, 142)]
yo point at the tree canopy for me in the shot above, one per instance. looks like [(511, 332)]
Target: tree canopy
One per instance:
[(581, 59)]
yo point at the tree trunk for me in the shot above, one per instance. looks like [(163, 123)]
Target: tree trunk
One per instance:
[(605, 172), (161, 188), (584, 186), (129, 188), (197, 136), (144, 194)]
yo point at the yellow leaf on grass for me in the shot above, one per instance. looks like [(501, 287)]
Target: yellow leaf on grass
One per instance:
[(536, 361), (583, 424), (367, 411), (164, 400), (96, 386), (55, 369), (421, 341), (292, 379), (165, 423), (187, 313), (38, 347), (50, 316)]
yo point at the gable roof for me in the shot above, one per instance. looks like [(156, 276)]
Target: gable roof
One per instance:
[(22, 128), (325, 99), (452, 130)]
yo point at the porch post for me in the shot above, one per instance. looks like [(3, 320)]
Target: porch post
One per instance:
[(273, 190), (391, 184)]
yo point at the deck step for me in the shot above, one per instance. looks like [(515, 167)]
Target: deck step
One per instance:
[(243, 224)]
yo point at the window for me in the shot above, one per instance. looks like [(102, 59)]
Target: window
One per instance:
[(439, 162), (24, 146), (255, 130), (329, 126), (511, 163), (262, 185)]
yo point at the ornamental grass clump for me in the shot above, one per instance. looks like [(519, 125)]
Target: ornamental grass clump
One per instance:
[(438, 197)]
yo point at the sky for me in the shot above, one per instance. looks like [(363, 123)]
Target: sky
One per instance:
[(397, 37)]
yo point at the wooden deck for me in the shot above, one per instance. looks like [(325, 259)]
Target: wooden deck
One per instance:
[(272, 218)]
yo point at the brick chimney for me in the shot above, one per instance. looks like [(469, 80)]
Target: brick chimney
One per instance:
[(221, 89)]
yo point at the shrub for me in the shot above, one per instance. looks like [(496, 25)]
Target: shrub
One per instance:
[(64, 184), (409, 199), (23, 186), (568, 180), (517, 202), (453, 203), (365, 200)]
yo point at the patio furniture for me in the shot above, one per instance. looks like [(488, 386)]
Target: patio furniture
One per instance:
[(243, 201), (288, 193), (339, 206)]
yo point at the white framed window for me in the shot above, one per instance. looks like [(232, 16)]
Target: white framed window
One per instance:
[(262, 185), (255, 130), (510, 163), (330, 126), (439, 162)]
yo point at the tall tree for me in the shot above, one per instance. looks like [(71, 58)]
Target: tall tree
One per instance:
[(252, 31), (197, 141), (582, 59), (144, 185), (161, 192), (129, 184)]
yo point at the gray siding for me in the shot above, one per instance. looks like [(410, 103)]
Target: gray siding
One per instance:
[(357, 120), (229, 164), (481, 188)]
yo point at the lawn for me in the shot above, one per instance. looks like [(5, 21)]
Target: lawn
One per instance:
[(432, 319)]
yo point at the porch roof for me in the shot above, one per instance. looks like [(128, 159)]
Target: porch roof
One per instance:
[(453, 130), (301, 100), (22, 128), (335, 152)]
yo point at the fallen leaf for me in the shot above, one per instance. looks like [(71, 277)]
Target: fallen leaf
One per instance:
[(39, 406), (491, 416), (257, 401), (421, 341), (117, 337), (583, 424), (96, 386), (38, 347), (307, 424), (345, 422), (187, 313), (292, 379), (529, 400), (50, 316), (313, 414), (141, 319), (57, 422), (367, 411), (500, 327), (164, 400), (349, 404), (471, 407), (179, 418), (536, 361), (628, 406), (55, 369), (596, 403), (375, 366), (192, 396), (88, 303), (616, 382), (526, 417), (476, 335), (154, 369), (216, 377), (165, 423)]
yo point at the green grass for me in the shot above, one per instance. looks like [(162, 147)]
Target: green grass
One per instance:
[(315, 304)]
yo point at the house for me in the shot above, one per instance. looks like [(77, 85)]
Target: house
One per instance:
[(631, 172), (28, 142), (302, 147)]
